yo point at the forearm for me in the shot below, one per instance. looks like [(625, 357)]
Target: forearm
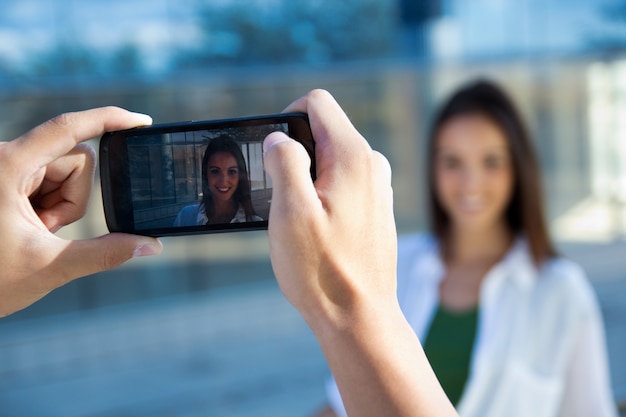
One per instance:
[(390, 377)]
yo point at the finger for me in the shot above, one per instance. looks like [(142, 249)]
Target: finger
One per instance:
[(383, 186), (85, 257), (383, 168), (288, 164), (339, 147), (61, 134), (64, 193), (329, 123)]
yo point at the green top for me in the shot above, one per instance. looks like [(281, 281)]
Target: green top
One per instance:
[(449, 345)]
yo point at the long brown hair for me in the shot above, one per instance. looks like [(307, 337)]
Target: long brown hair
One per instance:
[(524, 213)]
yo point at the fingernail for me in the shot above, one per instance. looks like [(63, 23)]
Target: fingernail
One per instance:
[(144, 119), (274, 139), (147, 249)]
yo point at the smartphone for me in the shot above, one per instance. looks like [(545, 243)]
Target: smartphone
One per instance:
[(193, 177)]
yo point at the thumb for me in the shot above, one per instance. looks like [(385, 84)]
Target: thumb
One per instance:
[(85, 257), (288, 164)]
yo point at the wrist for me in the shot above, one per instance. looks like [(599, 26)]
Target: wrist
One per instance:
[(378, 362), (355, 321)]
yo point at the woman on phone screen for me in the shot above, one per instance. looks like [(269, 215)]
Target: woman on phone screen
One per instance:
[(226, 196)]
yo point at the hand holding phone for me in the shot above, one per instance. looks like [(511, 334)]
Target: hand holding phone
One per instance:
[(46, 177), (193, 177)]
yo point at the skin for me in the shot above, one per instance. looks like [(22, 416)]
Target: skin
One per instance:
[(223, 177), (47, 176), (337, 265)]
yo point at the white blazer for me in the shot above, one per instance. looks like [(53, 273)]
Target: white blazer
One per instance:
[(540, 348)]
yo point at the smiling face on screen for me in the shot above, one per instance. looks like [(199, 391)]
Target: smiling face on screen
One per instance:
[(223, 175)]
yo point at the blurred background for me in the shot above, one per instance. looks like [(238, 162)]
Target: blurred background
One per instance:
[(203, 330)]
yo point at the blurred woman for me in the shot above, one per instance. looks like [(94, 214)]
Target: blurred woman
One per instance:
[(225, 188), (509, 327)]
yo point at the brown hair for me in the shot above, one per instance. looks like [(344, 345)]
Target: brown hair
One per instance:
[(524, 213)]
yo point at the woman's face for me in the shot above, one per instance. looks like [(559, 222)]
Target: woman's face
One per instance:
[(223, 175), (473, 172)]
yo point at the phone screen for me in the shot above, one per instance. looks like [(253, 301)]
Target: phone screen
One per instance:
[(197, 178)]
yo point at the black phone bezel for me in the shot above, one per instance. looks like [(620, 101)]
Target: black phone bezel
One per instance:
[(115, 177)]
